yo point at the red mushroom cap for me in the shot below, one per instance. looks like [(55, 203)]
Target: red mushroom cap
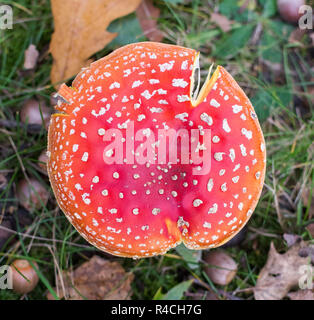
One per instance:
[(141, 210)]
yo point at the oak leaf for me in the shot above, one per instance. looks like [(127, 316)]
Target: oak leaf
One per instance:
[(282, 271), (96, 279), (301, 295), (80, 30)]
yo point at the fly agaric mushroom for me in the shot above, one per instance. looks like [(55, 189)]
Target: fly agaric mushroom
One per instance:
[(144, 209)]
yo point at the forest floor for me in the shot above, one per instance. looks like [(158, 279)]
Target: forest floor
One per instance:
[(270, 61)]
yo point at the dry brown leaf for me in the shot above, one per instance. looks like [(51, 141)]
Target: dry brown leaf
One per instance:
[(301, 295), (281, 272), (96, 279), (80, 31), (30, 57), (296, 35), (291, 239), (147, 14), (221, 21)]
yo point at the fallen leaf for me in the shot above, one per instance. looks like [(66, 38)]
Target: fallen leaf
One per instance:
[(291, 239), (307, 252), (147, 15), (221, 21), (301, 295), (281, 272), (30, 57), (80, 31), (296, 35), (96, 279)]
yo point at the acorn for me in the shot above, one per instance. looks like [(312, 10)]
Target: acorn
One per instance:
[(289, 9), (31, 195), (221, 267), (24, 277)]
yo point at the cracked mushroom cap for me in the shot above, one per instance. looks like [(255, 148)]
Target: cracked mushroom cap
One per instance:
[(141, 210)]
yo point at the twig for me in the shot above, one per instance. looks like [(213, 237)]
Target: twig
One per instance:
[(31, 128), (264, 233), (26, 235)]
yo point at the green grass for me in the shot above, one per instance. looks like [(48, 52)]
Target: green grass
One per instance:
[(282, 100)]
